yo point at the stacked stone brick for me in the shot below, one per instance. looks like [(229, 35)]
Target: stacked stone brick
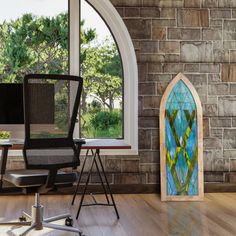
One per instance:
[(198, 38)]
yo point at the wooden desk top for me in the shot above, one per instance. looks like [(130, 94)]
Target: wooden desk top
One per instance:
[(90, 144)]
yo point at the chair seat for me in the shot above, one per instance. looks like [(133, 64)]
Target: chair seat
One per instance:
[(31, 178)]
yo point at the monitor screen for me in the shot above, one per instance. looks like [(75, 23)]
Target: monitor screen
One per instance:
[(11, 104)]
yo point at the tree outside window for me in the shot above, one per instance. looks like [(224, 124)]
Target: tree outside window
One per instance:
[(34, 43)]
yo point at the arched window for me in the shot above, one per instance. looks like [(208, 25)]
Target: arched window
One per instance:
[(123, 45), (181, 142), (45, 37)]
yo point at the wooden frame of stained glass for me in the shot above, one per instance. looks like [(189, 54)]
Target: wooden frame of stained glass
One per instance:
[(181, 145)]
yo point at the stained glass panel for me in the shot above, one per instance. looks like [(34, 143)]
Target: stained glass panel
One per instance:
[(181, 142)]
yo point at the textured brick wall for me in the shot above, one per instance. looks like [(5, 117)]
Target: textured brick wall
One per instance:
[(198, 38)]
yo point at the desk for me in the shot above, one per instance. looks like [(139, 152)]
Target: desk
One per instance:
[(94, 146)]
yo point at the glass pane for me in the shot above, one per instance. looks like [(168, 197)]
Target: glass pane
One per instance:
[(101, 67), (181, 142), (33, 39), (48, 108)]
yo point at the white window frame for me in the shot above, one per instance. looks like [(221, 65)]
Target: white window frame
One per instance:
[(130, 70)]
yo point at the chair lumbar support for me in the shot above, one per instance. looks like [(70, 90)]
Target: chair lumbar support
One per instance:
[(36, 221)]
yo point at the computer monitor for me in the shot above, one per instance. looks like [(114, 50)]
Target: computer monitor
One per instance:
[(11, 104), (12, 108)]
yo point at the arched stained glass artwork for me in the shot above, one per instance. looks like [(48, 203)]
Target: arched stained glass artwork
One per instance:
[(181, 142)]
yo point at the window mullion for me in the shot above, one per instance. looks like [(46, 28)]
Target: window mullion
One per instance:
[(74, 42)]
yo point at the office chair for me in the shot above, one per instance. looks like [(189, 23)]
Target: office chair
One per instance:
[(50, 111)]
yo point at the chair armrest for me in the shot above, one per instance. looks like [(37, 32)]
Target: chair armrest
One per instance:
[(3, 160), (79, 141)]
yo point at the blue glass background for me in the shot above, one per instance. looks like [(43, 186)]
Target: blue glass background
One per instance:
[(181, 99)]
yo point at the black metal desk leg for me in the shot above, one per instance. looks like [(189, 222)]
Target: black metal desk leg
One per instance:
[(3, 163), (85, 188), (100, 176), (80, 176), (107, 183)]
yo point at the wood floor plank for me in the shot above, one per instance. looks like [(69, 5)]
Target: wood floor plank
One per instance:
[(140, 214)]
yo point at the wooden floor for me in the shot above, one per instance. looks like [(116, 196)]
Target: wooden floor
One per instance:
[(141, 215)]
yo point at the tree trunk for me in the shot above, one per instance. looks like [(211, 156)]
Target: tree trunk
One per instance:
[(83, 102), (111, 103)]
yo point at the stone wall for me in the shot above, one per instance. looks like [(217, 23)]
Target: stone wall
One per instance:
[(198, 38)]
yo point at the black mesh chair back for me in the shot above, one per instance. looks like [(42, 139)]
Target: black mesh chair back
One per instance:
[(51, 105)]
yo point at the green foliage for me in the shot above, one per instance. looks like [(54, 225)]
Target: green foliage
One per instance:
[(62, 108), (95, 106), (33, 44), (105, 119), (43, 135), (4, 135), (112, 131), (102, 72)]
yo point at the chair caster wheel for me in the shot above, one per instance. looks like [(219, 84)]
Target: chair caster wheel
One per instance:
[(69, 221), (22, 219)]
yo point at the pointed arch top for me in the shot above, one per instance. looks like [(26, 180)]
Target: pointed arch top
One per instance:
[(171, 151), (172, 84)]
